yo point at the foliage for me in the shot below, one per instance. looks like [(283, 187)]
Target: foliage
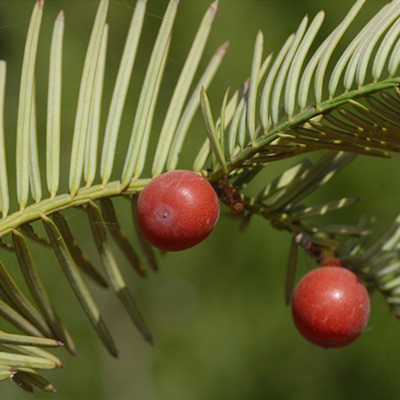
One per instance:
[(286, 108)]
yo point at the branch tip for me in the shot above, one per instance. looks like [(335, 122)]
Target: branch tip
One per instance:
[(40, 3), (61, 16), (224, 46), (213, 7)]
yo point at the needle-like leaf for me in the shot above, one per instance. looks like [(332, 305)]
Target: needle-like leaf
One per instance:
[(90, 164), (181, 90), (192, 106), (315, 176), (34, 170), (25, 105), (8, 338), (285, 179), (4, 195), (22, 384), (20, 302), (119, 236), (31, 377), (211, 130), (339, 229), (144, 114), (265, 102), (297, 64), (35, 352), (8, 313), (39, 293), (204, 152), (331, 43), (120, 91), (85, 99), (316, 211), (372, 39), (77, 284), (254, 82), (81, 259), (54, 107), (21, 361), (114, 274), (280, 80)]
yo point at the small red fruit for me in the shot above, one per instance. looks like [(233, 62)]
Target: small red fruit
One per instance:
[(177, 210), (330, 306)]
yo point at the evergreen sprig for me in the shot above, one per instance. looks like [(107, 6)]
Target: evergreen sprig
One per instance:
[(269, 118)]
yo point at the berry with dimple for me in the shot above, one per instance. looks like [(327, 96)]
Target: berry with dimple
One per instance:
[(177, 210), (330, 306)]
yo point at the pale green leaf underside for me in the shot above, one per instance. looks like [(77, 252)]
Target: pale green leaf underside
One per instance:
[(4, 195), (85, 100), (53, 127), (26, 98), (120, 91), (284, 127), (288, 125)]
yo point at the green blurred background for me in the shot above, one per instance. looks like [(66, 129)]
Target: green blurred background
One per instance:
[(217, 312)]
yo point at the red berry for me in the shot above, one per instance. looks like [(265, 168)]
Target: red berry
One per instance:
[(177, 210), (330, 306)]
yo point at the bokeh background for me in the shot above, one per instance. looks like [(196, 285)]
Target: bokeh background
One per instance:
[(217, 311)]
